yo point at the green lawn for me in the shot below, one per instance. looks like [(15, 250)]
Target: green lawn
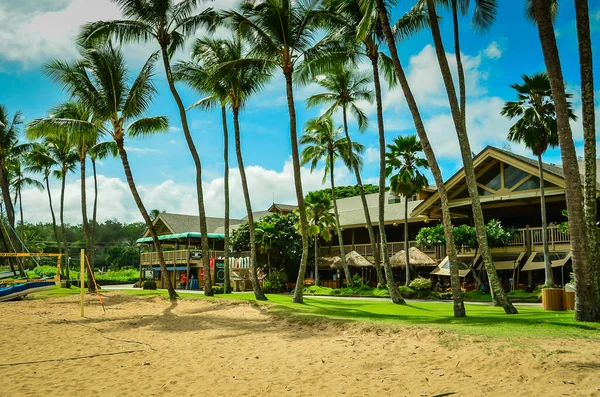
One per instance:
[(481, 320)]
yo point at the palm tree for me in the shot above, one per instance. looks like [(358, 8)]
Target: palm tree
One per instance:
[(323, 142), (168, 23), (499, 295), (582, 18), (284, 35), (378, 6), (240, 82), (586, 300), (403, 160), (18, 181), (320, 220), (344, 89), (536, 128), (82, 140), (41, 161), (99, 151), (118, 108)]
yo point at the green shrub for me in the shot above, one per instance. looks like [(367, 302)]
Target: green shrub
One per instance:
[(422, 293), (218, 289), (357, 279), (406, 292), (420, 283), (275, 281), (434, 295), (149, 284)]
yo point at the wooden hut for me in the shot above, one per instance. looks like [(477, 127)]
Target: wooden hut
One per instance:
[(415, 256)]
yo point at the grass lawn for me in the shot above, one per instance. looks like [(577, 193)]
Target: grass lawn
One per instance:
[(481, 320)]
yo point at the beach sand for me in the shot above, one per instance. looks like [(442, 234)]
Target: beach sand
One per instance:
[(148, 347)]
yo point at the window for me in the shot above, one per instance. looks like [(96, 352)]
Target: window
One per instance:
[(491, 178), (513, 175)]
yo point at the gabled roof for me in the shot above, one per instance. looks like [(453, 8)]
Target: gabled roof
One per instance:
[(179, 223), (282, 207), (352, 213)]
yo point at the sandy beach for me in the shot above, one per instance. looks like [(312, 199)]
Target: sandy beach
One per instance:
[(148, 347)]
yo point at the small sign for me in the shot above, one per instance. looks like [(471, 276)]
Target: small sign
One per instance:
[(195, 255), (149, 274)]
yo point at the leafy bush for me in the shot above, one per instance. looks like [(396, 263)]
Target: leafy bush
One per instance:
[(275, 281), (434, 295), (118, 276), (218, 289), (357, 279), (149, 284), (420, 283), (406, 292)]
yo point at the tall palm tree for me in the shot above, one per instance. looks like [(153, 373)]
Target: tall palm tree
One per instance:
[(586, 299), (582, 18), (18, 181), (41, 161), (221, 58), (324, 143), (379, 7), (536, 128), (404, 162), (345, 88), (284, 34), (168, 24), (100, 82), (82, 140), (320, 221), (499, 295)]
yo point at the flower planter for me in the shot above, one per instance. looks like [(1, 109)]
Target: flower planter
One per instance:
[(552, 299), (568, 300)]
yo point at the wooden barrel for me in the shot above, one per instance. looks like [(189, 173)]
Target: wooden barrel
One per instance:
[(568, 300), (552, 299)]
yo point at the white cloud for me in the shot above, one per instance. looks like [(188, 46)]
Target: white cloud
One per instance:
[(115, 201), (139, 150), (371, 155), (493, 51)]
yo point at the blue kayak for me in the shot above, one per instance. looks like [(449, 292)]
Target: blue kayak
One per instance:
[(13, 291)]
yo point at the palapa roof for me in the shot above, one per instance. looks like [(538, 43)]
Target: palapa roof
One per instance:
[(415, 256), (330, 262), (355, 259)]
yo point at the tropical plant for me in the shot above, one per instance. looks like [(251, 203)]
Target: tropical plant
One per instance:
[(324, 143), (587, 301), (467, 159), (320, 222), (284, 35), (100, 82), (536, 128), (378, 7), (345, 88), (168, 23), (18, 181), (420, 283), (404, 165)]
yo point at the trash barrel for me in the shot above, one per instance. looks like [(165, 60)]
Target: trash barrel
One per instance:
[(568, 300), (552, 299)]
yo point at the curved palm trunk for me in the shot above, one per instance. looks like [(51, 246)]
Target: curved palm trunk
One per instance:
[(226, 193), (258, 293), (549, 281), (317, 280), (10, 211), (586, 297), (192, 147), (347, 273), (65, 249), (589, 131), (54, 227), (463, 140), (459, 308), (92, 253), (7, 249), (147, 220), (406, 255), (459, 66), (86, 228), (21, 216), (363, 199), (298, 291)]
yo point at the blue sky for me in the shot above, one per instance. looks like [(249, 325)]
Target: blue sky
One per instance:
[(37, 31)]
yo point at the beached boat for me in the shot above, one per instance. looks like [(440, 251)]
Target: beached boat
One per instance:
[(20, 288)]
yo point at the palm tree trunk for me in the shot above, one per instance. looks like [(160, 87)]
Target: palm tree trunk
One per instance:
[(459, 66), (54, 227), (226, 193), (92, 254), (589, 131), (406, 255), (8, 204), (317, 281), (208, 291), (86, 227), (298, 291), (65, 249), (549, 281), (147, 220), (258, 293), (11, 264), (347, 273), (459, 308), (21, 216), (463, 140), (363, 199), (586, 296)]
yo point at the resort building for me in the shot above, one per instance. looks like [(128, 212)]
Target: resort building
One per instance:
[(509, 192)]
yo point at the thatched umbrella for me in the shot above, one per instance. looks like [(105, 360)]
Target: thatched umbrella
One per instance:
[(330, 262), (415, 256), (357, 260)]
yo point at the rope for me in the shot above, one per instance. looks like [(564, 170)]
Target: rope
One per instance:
[(95, 284)]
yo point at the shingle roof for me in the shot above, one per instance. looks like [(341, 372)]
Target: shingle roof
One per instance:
[(352, 213), (284, 207), (191, 223)]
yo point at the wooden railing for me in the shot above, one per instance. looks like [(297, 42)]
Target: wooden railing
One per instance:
[(179, 257), (555, 236), (366, 250)]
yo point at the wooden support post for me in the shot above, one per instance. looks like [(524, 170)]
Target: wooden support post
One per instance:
[(81, 280)]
